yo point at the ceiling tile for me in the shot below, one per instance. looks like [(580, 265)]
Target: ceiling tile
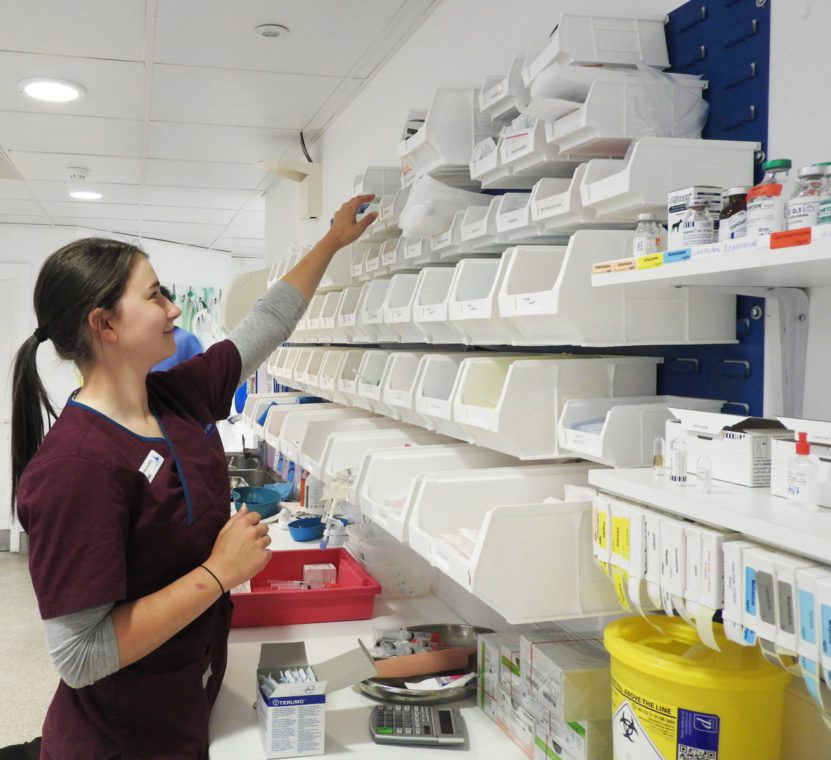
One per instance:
[(58, 191), (255, 203), (113, 88), (194, 215), (345, 91), (199, 142), (89, 28), (246, 98), (91, 210), (254, 219), (53, 166), (325, 36), (195, 197), (53, 133), (15, 219), (120, 226), (182, 228), (20, 207), (15, 189), (203, 174)]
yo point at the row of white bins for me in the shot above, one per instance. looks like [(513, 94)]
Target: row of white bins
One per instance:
[(506, 402), (529, 296)]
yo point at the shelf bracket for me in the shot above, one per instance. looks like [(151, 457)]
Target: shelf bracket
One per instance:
[(793, 336)]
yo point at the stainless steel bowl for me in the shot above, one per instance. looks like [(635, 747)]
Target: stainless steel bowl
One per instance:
[(395, 690)]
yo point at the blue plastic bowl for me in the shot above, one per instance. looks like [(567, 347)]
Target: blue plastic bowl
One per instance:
[(257, 499), (306, 528)]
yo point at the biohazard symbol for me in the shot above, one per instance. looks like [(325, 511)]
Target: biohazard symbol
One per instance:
[(628, 724)]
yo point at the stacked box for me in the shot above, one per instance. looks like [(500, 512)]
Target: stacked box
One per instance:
[(489, 669), (577, 740)]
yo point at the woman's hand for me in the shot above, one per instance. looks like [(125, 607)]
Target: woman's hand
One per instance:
[(345, 228), (240, 550)]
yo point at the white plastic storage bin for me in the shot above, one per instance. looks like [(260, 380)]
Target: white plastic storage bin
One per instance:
[(389, 213), (447, 245), (524, 150), (547, 298), (326, 323), (620, 432), (443, 145), (359, 250), (514, 223), (434, 390), (338, 273), (315, 441), (386, 478), (257, 403), (557, 205), (295, 424), (472, 303), (345, 450), (620, 190), (310, 374), (298, 364), (560, 89), (276, 416), (513, 405), (503, 97), (327, 381), (278, 269), (486, 166), (282, 368), (347, 380), (346, 316), (431, 306), (400, 379), (479, 228), (313, 314), (378, 181), (418, 253), (372, 262), (393, 254), (274, 361), (371, 375), (398, 308), (591, 40), (622, 106), (471, 524), (370, 324)]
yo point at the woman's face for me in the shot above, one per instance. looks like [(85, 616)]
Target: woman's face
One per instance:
[(144, 318)]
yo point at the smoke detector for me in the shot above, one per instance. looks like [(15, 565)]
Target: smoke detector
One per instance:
[(271, 31)]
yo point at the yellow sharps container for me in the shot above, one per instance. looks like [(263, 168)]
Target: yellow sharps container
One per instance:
[(673, 698)]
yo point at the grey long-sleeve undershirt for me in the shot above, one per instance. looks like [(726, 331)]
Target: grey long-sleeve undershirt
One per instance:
[(83, 645)]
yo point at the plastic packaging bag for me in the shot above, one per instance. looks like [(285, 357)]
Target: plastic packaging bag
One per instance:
[(667, 107), (430, 208)]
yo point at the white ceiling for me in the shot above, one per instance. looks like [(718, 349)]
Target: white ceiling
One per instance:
[(182, 99)]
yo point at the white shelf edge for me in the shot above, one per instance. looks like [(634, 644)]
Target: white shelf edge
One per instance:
[(754, 512)]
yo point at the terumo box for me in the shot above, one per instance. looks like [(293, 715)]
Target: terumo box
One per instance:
[(739, 448), (292, 716), (677, 203)]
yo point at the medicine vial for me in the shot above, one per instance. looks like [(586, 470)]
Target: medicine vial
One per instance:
[(658, 459), (766, 201), (678, 461), (703, 474), (697, 225), (649, 237), (802, 474), (824, 212), (733, 217), (803, 207)]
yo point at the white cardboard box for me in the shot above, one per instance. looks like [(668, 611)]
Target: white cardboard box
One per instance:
[(677, 201), (734, 594), (292, 719), (739, 448), (490, 665), (576, 740)]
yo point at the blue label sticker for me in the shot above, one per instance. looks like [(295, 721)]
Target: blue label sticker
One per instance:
[(807, 622), (825, 616), (310, 699), (698, 731), (809, 676), (750, 591), (680, 254)]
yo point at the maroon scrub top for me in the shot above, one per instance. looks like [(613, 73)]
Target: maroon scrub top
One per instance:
[(102, 532)]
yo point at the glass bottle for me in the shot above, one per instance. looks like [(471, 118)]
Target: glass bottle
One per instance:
[(658, 461), (803, 207), (766, 201), (824, 213), (678, 461), (697, 226), (733, 217), (802, 474), (703, 473), (649, 237)]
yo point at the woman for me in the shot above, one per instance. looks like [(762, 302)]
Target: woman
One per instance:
[(125, 500)]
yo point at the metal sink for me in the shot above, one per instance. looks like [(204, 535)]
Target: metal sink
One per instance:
[(237, 460), (254, 477)]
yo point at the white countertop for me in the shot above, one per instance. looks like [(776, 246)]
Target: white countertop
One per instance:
[(233, 730)]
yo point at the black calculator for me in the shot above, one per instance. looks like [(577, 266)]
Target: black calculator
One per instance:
[(417, 724)]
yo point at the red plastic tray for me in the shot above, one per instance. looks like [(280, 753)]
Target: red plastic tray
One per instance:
[(351, 598)]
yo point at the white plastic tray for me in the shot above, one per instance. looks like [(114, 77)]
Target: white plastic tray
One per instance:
[(443, 146), (620, 190), (257, 403), (347, 315), (371, 376), (472, 303), (386, 478), (347, 379), (431, 306), (339, 272), (502, 97), (370, 323), (327, 380), (513, 405), (398, 308), (277, 416), (326, 322), (479, 228), (434, 391), (400, 382), (418, 253), (378, 181), (295, 424), (393, 255), (620, 432), (546, 297), (526, 153), (468, 523)]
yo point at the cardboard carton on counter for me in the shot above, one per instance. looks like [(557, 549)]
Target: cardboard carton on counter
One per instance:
[(292, 718)]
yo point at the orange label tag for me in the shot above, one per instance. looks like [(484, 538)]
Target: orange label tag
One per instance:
[(771, 190), (790, 238), (624, 265), (602, 268)]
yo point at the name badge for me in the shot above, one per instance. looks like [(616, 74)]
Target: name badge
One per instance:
[(151, 465)]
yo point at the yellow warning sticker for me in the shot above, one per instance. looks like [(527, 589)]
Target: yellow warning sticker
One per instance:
[(620, 537), (651, 261), (620, 579), (643, 729)]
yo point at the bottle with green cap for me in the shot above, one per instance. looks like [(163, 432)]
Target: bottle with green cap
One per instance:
[(766, 201)]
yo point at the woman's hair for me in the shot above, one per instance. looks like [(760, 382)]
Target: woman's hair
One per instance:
[(82, 276)]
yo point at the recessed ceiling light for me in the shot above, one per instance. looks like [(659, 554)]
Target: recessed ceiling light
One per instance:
[(85, 195), (271, 30), (51, 90)]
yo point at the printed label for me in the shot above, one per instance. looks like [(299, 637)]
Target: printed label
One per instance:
[(824, 212), (620, 580), (679, 254), (790, 238), (643, 245), (624, 265), (733, 227), (151, 465), (650, 262), (697, 232), (785, 598), (750, 591), (603, 268), (765, 210), (601, 534), (807, 621), (620, 537), (825, 617), (802, 213), (765, 593)]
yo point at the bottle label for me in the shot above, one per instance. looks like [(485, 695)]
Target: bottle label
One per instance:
[(678, 466), (733, 227), (798, 485), (802, 213), (697, 232), (765, 210), (824, 213), (645, 244)]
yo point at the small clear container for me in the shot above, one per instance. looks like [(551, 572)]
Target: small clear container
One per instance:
[(649, 237), (803, 206), (697, 224)]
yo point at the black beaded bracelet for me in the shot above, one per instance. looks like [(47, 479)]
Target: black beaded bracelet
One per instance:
[(214, 577)]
